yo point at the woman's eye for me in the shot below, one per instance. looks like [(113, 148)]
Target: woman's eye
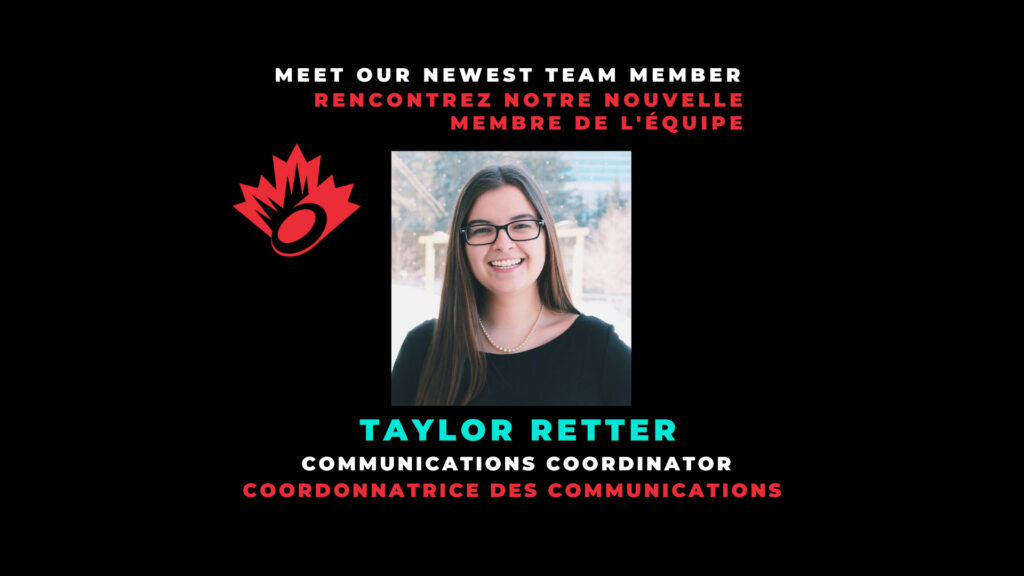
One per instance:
[(484, 231)]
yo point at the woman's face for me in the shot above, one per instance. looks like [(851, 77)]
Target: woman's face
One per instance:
[(507, 266)]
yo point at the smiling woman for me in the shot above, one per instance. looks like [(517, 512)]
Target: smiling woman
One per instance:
[(507, 332)]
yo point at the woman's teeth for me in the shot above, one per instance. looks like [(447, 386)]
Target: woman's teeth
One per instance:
[(506, 263)]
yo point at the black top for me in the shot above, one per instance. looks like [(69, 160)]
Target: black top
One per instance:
[(587, 365)]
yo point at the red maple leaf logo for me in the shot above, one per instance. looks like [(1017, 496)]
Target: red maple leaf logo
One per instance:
[(296, 212)]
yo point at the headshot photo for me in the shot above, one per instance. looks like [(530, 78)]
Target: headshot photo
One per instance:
[(511, 278)]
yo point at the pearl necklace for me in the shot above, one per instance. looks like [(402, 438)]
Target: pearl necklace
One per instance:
[(521, 344)]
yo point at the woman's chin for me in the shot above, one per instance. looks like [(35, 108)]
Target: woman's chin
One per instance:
[(509, 286)]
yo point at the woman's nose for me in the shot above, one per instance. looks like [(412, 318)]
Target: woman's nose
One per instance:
[(504, 240)]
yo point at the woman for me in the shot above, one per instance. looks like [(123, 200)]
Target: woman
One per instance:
[(507, 333)]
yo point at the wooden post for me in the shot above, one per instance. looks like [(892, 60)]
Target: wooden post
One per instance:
[(576, 272), (429, 259), (428, 275)]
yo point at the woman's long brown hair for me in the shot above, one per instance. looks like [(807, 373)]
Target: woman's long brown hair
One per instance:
[(452, 356)]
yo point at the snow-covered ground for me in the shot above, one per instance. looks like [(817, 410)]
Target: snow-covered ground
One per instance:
[(411, 305)]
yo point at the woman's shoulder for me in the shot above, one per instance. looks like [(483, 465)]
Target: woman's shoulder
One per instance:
[(594, 332), (405, 374), (610, 357), (418, 339), (424, 330), (593, 324)]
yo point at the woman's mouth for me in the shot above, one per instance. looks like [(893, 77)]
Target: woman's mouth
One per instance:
[(506, 264)]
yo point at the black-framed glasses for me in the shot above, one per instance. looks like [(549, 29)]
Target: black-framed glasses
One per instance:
[(517, 230)]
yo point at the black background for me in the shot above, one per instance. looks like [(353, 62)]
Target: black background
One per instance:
[(285, 355)]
